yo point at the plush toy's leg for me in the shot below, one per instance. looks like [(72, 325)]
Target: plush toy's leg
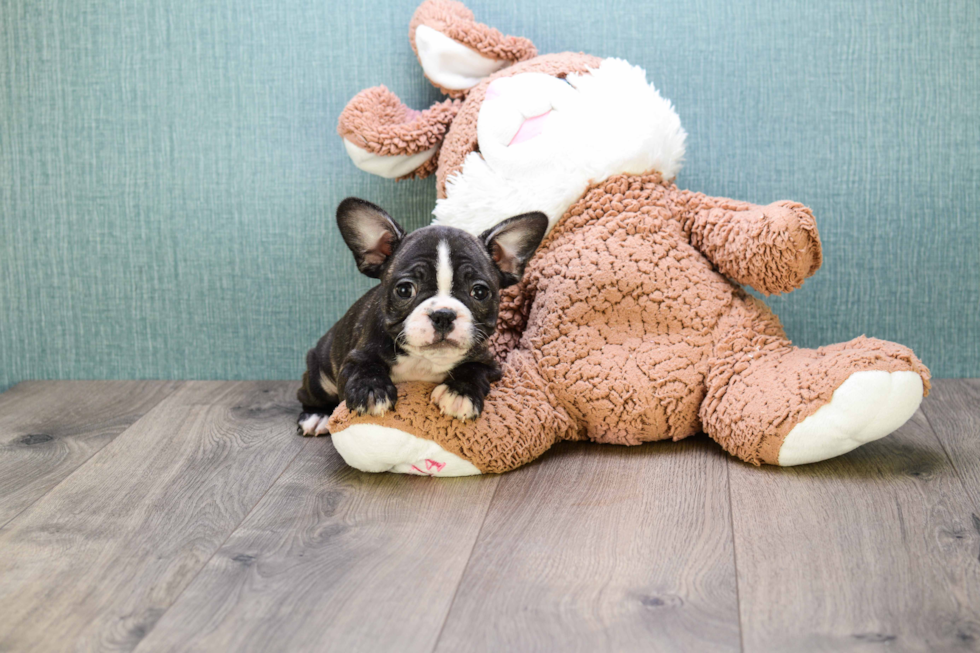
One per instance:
[(770, 402), (517, 425)]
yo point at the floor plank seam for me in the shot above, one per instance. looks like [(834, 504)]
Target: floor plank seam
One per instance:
[(731, 524), (469, 559), (222, 544), (86, 461)]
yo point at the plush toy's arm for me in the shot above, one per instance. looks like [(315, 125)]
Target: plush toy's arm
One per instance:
[(772, 248)]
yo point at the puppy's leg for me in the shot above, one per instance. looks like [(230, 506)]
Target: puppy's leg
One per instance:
[(318, 395), (461, 395), (367, 384)]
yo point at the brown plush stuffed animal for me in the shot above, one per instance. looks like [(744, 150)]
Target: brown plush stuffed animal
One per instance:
[(629, 325)]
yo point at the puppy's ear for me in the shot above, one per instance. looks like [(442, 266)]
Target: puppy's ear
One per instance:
[(370, 233), (512, 243)]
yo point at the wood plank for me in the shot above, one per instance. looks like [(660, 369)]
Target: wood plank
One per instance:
[(49, 428), (95, 562), (603, 548), (333, 559), (873, 550), (953, 411)]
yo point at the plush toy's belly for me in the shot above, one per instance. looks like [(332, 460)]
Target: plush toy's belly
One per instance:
[(624, 325)]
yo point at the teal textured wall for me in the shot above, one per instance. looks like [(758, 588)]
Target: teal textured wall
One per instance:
[(169, 169)]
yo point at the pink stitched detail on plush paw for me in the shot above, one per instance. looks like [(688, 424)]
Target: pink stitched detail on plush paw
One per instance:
[(429, 464)]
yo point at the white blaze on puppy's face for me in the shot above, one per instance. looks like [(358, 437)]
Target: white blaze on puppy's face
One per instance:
[(420, 336), (444, 270)]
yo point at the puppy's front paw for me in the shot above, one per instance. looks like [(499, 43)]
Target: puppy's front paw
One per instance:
[(371, 396), (456, 405)]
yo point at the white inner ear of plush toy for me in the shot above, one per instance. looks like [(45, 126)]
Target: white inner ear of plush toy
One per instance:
[(389, 167), (451, 64), (604, 122)]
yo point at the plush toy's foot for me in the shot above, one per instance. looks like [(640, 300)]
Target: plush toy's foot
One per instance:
[(772, 403), (867, 406), (374, 448)]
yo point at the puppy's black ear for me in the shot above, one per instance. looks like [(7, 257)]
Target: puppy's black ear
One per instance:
[(512, 243), (370, 233)]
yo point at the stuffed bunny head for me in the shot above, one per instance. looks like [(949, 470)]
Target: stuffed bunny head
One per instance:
[(520, 132)]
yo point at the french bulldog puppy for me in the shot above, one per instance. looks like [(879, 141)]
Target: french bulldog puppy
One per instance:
[(428, 320)]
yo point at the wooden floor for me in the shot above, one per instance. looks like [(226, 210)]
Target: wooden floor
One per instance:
[(165, 516)]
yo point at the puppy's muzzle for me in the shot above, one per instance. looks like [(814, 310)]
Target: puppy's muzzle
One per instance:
[(442, 320)]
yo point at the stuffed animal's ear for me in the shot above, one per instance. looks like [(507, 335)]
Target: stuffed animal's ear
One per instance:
[(370, 233), (455, 51), (512, 243), (386, 138)]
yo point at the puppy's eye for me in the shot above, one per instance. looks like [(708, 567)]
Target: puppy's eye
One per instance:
[(405, 290), (479, 292)]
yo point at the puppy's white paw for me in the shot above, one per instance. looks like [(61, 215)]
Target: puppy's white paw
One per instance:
[(454, 405), (313, 424), (379, 408), (374, 407)]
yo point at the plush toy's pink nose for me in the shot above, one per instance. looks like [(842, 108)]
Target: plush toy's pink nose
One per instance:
[(532, 127)]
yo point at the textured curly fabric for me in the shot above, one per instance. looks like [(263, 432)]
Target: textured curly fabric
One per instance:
[(515, 304), (632, 335), (376, 121), (455, 20), (771, 248)]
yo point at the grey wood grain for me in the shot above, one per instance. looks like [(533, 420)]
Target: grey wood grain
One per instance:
[(953, 411), (601, 548), (97, 561), (49, 428), (333, 559), (875, 550)]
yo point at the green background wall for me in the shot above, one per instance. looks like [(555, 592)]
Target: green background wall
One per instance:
[(169, 169)]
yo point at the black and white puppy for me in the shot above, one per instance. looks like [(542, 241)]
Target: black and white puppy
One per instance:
[(428, 320)]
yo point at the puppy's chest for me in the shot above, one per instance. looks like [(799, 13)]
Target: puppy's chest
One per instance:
[(417, 368)]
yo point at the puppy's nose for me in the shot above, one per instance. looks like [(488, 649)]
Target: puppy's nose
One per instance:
[(443, 320)]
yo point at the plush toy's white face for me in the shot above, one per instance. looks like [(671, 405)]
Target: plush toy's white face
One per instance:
[(544, 139), (526, 120)]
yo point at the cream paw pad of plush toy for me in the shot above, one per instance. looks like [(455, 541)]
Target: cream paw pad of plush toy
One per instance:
[(373, 448)]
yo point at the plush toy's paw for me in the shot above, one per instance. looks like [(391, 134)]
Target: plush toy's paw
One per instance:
[(373, 448), (371, 396), (312, 424), (456, 405), (867, 406)]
